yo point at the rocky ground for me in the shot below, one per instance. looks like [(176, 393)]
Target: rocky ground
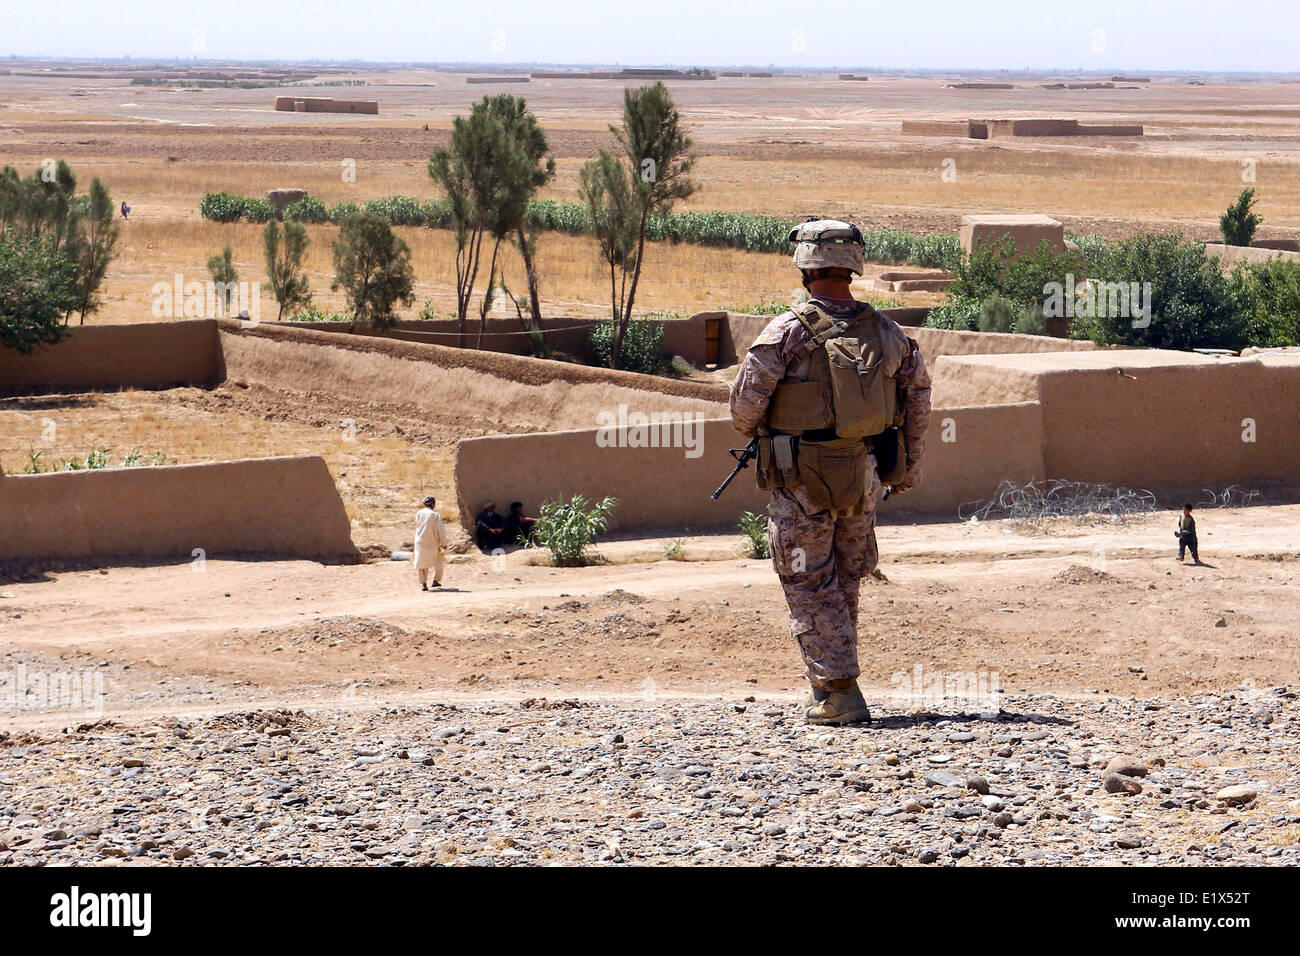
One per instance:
[(1176, 781)]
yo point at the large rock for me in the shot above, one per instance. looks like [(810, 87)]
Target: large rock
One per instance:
[(1118, 783), (1126, 767), (1238, 795)]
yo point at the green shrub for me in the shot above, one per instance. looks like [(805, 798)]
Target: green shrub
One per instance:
[(307, 209), (569, 528), (1238, 223), (1269, 294), (997, 314), (765, 307), (318, 315), (222, 207), (753, 528), (642, 345), (258, 210), (343, 210), (960, 313), (1030, 320), (1193, 304)]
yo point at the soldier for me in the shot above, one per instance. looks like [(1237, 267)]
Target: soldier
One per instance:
[(840, 399)]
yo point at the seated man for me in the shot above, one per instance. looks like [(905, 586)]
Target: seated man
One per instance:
[(489, 528), (519, 527)]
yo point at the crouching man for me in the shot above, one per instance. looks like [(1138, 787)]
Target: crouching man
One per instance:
[(840, 399)]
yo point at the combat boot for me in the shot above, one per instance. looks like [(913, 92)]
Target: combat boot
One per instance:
[(815, 696), (843, 705)]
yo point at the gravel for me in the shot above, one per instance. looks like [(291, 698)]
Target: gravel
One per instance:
[(615, 782)]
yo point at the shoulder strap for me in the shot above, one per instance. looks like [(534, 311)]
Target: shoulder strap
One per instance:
[(821, 327)]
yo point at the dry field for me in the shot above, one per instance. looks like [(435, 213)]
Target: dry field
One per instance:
[(791, 145)]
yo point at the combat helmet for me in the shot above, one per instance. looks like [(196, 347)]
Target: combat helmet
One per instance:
[(827, 243)]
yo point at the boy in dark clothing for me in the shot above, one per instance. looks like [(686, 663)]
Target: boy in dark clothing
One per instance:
[(519, 527), (489, 528), (1186, 535)]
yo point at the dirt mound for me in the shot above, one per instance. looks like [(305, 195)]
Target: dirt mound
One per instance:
[(344, 630), (261, 720), (1079, 574), (617, 598)]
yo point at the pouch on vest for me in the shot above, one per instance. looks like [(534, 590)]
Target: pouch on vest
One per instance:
[(890, 449), (800, 407), (834, 474), (865, 399), (777, 462)]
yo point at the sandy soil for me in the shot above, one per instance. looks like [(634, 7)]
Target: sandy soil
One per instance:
[(1077, 611)]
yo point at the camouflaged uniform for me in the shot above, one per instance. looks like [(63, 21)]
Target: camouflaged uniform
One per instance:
[(821, 556)]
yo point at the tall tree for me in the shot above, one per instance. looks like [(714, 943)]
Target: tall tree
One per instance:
[(657, 151), (490, 170), (530, 170), (224, 275), (284, 254), (604, 187), (89, 243), (373, 265)]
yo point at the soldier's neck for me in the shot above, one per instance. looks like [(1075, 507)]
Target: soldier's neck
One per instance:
[(836, 290)]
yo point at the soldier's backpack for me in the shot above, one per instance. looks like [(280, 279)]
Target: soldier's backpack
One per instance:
[(850, 388)]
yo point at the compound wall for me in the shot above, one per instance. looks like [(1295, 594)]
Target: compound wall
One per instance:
[(281, 506), (1149, 418), (969, 451), (147, 355), (520, 393)]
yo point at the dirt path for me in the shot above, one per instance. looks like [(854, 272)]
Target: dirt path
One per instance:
[(1087, 610)]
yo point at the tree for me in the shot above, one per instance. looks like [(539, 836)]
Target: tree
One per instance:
[(82, 228), (470, 170), (37, 290), (224, 275), (603, 185), (91, 238), (1238, 223), (530, 169), (490, 170), (374, 266), (657, 151), (284, 254)]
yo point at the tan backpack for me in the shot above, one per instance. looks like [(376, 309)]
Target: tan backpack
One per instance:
[(847, 389)]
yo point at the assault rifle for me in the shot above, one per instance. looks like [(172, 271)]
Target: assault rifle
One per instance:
[(743, 457)]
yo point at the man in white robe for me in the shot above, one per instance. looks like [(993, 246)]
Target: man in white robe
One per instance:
[(430, 540)]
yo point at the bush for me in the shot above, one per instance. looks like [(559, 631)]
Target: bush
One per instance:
[(569, 528), (753, 528), (997, 314), (258, 210), (960, 313), (1030, 321), (1193, 304), (343, 210), (307, 209), (1269, 294), (222, 207), (1238, 223), (642, 345), (318, 315), (37, 291)]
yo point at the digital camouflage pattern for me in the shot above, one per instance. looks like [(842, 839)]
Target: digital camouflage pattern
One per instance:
[(821, 558)]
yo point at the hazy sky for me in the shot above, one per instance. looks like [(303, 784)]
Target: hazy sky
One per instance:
[(1237, 35)]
